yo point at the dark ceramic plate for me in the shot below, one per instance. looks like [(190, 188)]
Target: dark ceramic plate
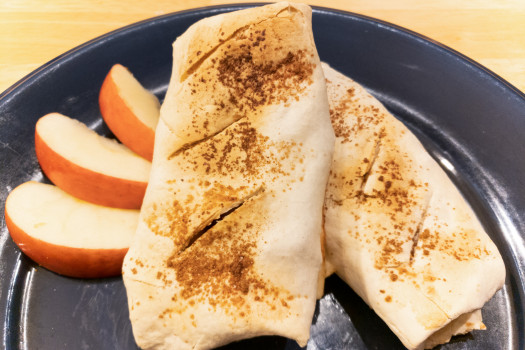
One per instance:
[(469, 119)]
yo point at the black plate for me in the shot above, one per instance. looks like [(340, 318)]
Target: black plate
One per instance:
[(469, 119)]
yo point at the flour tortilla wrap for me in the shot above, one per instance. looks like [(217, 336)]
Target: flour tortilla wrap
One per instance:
[(229, 240), (397, 229)]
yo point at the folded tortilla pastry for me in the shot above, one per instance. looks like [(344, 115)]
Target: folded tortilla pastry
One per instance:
[(229, 240), (397, 229)]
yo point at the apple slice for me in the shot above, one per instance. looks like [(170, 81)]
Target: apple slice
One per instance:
[(89, 166), (130, 111), (67, 235)]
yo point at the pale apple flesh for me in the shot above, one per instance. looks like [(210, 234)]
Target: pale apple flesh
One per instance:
[(130, 111), (66, 235), (89, 166)]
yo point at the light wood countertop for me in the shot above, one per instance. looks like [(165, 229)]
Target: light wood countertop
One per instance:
[(491, 32)]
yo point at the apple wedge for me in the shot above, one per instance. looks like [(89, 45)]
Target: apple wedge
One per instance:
[(130, 111), (67, 235), (88, 166)]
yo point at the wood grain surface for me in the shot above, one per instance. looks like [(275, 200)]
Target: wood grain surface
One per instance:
[(491, 32)]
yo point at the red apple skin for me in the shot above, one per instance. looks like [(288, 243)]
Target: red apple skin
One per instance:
[(68, 261), (86, 184), (122, 121)]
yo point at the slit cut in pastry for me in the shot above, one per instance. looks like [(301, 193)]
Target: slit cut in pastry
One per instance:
[(397, 229), (228, 244)]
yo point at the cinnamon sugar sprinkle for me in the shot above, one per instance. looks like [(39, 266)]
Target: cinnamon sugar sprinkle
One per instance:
[(219, 267), (238, 83), (397, 193), (226, 168), (252, 85)]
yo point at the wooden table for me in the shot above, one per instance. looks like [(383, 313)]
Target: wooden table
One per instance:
[(491, 32)]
